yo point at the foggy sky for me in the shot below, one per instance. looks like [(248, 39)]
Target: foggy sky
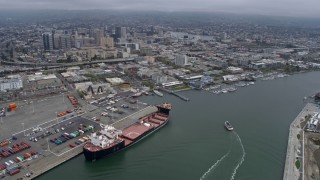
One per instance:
[(309, 8)]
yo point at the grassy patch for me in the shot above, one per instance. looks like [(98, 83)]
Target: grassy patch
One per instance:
[(181, 87), (148, 84), (94, 77), (298, 164)]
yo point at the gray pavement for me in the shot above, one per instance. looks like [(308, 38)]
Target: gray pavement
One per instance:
[(50, 154), (32, 113), (41, 114), (295, 146), (114, 116), (129, 120)]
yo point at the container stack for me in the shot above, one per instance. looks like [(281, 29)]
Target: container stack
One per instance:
[(12, 106), (73, 101)]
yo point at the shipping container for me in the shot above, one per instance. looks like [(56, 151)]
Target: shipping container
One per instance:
[(2, 172), (16, 160), (12, 167), (21, 158), (10, 150), (33, 152), (25, 144), (62, 139), (58, 142), (4, 143), (12, 105), (13, 172), (27, 155), (72, 145)]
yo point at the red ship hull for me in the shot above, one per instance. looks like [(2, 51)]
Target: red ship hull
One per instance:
[(130, 135)]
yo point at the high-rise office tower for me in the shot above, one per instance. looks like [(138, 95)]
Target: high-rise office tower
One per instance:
[(56, 41), (124, 32), (121, 32), (47, 39), (65, 41), (99, 34), (117, 32)]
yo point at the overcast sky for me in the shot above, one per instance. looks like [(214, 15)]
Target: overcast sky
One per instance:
[(272, 7)]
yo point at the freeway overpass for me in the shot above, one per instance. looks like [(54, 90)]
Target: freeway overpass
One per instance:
[(30, 64)]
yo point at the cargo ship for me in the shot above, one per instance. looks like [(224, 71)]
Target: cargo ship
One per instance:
[(228, 126), (110, 140)]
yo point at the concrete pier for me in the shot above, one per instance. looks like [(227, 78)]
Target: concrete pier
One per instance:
[(176, 94), (50, 160), (295, 148), (131, 119)]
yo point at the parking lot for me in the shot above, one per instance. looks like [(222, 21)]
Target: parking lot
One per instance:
[(40, 140), (111, 110), (31, 113)]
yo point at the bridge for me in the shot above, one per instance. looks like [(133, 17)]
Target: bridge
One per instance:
[(56, 65)]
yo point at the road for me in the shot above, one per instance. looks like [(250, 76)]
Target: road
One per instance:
[(67, 64)]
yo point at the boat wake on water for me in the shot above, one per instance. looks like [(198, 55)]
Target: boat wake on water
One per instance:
[(215, 165), (242, 158)]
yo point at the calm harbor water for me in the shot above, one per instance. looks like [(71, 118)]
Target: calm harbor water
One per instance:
[(195, 144)]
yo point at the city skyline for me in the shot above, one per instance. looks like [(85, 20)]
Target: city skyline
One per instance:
[(273, 7)]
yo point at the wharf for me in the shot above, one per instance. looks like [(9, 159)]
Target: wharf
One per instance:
[(49, 154), (295, 148), (50, 160), (131, 119), (176, 94)]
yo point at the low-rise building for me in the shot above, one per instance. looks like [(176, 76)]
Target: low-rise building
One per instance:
[(41, 81), (10, 84), (159, 78), (181, 60), (230, 78), (115, 81), (234, 70), (146, 51), (257, 65), (73, 69), (149, 59), (90, 88)]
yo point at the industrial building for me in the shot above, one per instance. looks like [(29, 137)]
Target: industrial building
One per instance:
[(115, 81), (159, 78), (10, 84), (41, 81)]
